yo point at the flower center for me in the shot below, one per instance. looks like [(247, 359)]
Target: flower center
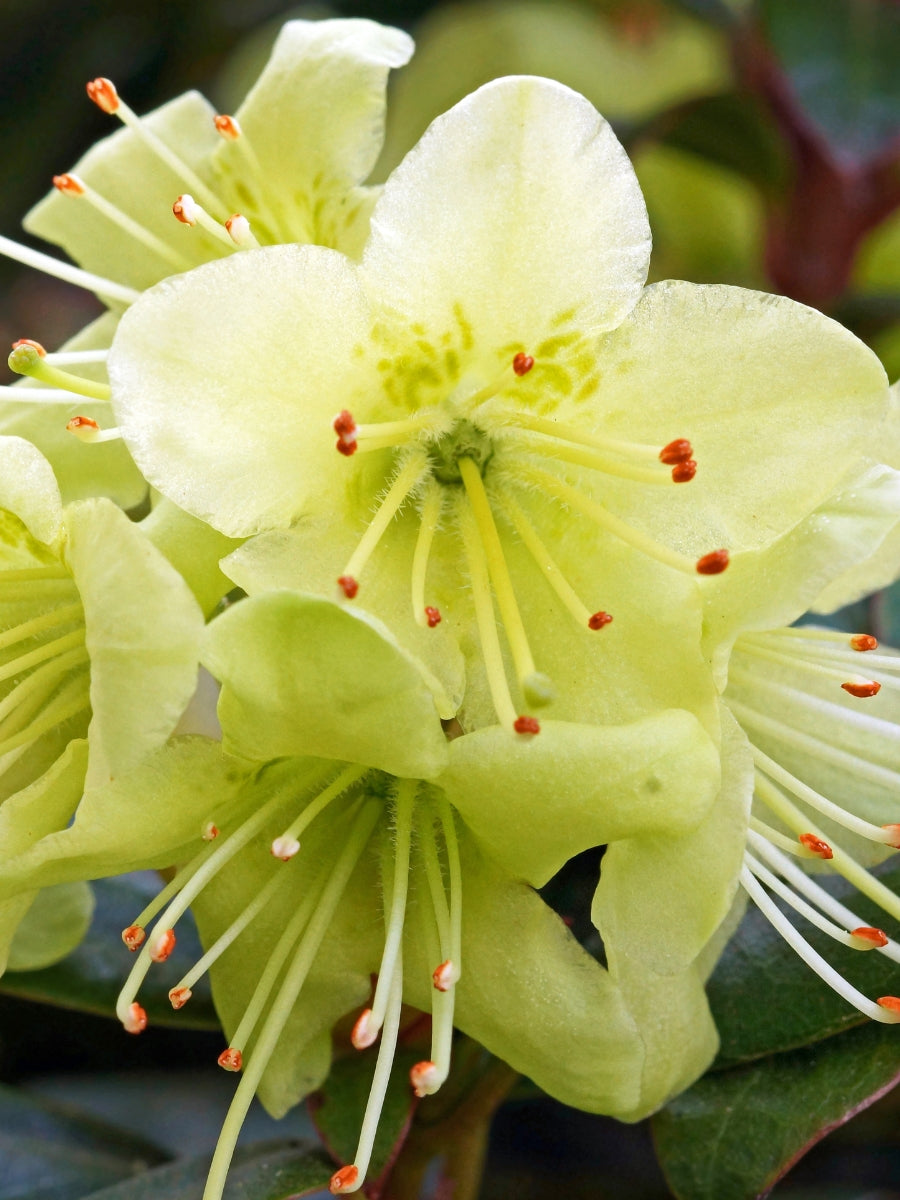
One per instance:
[(464, 440)]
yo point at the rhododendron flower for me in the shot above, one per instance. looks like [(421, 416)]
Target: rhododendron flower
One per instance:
[(186, 185), (524, 418), (282, 855), (99, 642)]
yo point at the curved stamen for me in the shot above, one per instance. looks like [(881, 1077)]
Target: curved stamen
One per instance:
[(47, 620), (26, 360), (253, 177), (429, 521), (48, 650), (87, 430), (345, 779), (597, 461), (106, 289), (189, 212), (859, 686)]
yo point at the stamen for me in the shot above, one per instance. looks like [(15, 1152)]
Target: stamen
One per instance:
[(228, 127), (598, 461), (71, 701), (288, 841), (380, 435), (47, 620), (522, 363), (828, 662), (526, 724), (133, 937), (231, 1059), (429, 520), (322, 916), (162, 945), (811, 957), (48, 574), (25, 699), (862, 691), (816, 845), (88, 431), (135, 1020), (348, 585), (285, 848), (451, 843), (179, 996), (74, 186), (48, 650), (345, 1180), (189, 212), (103, 93), (238, 229), (863, 642), (678, 451), (425, 1078), (30, 342), (105, 288), (210, 831), (536, 687), (26, 360), (38, 396), (403, 483), (684, 472), (713, 563), (230, 130)]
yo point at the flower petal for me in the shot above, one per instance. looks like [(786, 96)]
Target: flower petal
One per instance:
[(517, 213), (53, 926), (535, 805), (28, 489), (301, 675)]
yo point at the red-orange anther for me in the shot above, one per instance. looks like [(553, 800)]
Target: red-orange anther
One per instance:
[(444, 976), (231, 1059), (815, 845), (432, 615), (522, 363), (183, 209), (344, 424), (163, 946), (344, 1180), (862, 690), (892, 1003), (894, 831), (864, 641), (210, 831), (713, 563), (227, 126), (103, 93), (346, 446), (179, 996), (526, 725), (684, 472), (136, 1021), (868, 933), (32, 343), (678, 451), (598, 620), (77, 423), (348, 585), (424, 1078), (133, 937), (69, 185)]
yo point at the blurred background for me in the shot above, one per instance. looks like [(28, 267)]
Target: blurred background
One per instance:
[(766, 136)]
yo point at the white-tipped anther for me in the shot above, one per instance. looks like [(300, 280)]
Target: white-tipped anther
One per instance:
[(136, 1019), (285, 848), (179, 996), (239, 230), (426, 1077), (210, 831), (347, 1179), (186, 209), (365, 1031), (445, 976), (162, 945)]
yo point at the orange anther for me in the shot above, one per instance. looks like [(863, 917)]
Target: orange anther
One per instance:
[(365, 1031), (163, 946), (678, 451), (894, 831), (892, 1003), (868, 933), (522, 363), (103, 93), (432, 615), (348, 585), (69, 185), (815, 845), (713, 563), (864, 641), (136, 1021), (425, 1078), (444, 976), (231, 1059), (344, 424), (82, 425), (344, 1180), (862, 690), (32, 343), (185, 209), (526, 725), (684, 472), (227, 126), (179, 996), (598, 620), (346, 446), (133, 937), (210, 832)]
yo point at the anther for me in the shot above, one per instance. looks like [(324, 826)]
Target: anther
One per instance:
[(133, 937), (346, 446), (228, 127), (445, 976), (713, 563), (238, 228), (870, 937), (348, 585), (179, 996), (69, 185), (365, 1031), (678, 451), (285, 848), (344, 1180), (863, 642), (894, 831), (185, 209), (862, 690), (891, 1003), (526, 725), (163, 946), (425, 1077), (522, 363), (84, 428), (815, 845), (345, 427), (136, 1020), (32, 343), (598, 620), (231, 1059), (103, 93), (210, 832), (684, 472), (432, 616)]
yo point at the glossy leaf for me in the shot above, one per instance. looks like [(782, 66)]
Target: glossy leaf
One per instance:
[(735, 1133), (91, 976), (765, 999)]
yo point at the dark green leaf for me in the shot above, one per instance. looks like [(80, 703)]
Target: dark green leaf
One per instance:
[(91, 977), (261, 1171), (339, 1107), (735, 1133), (840, 57), (50, 1154), (765, 999)]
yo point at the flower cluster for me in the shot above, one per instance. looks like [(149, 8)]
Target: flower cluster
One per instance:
[(519, 545)]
